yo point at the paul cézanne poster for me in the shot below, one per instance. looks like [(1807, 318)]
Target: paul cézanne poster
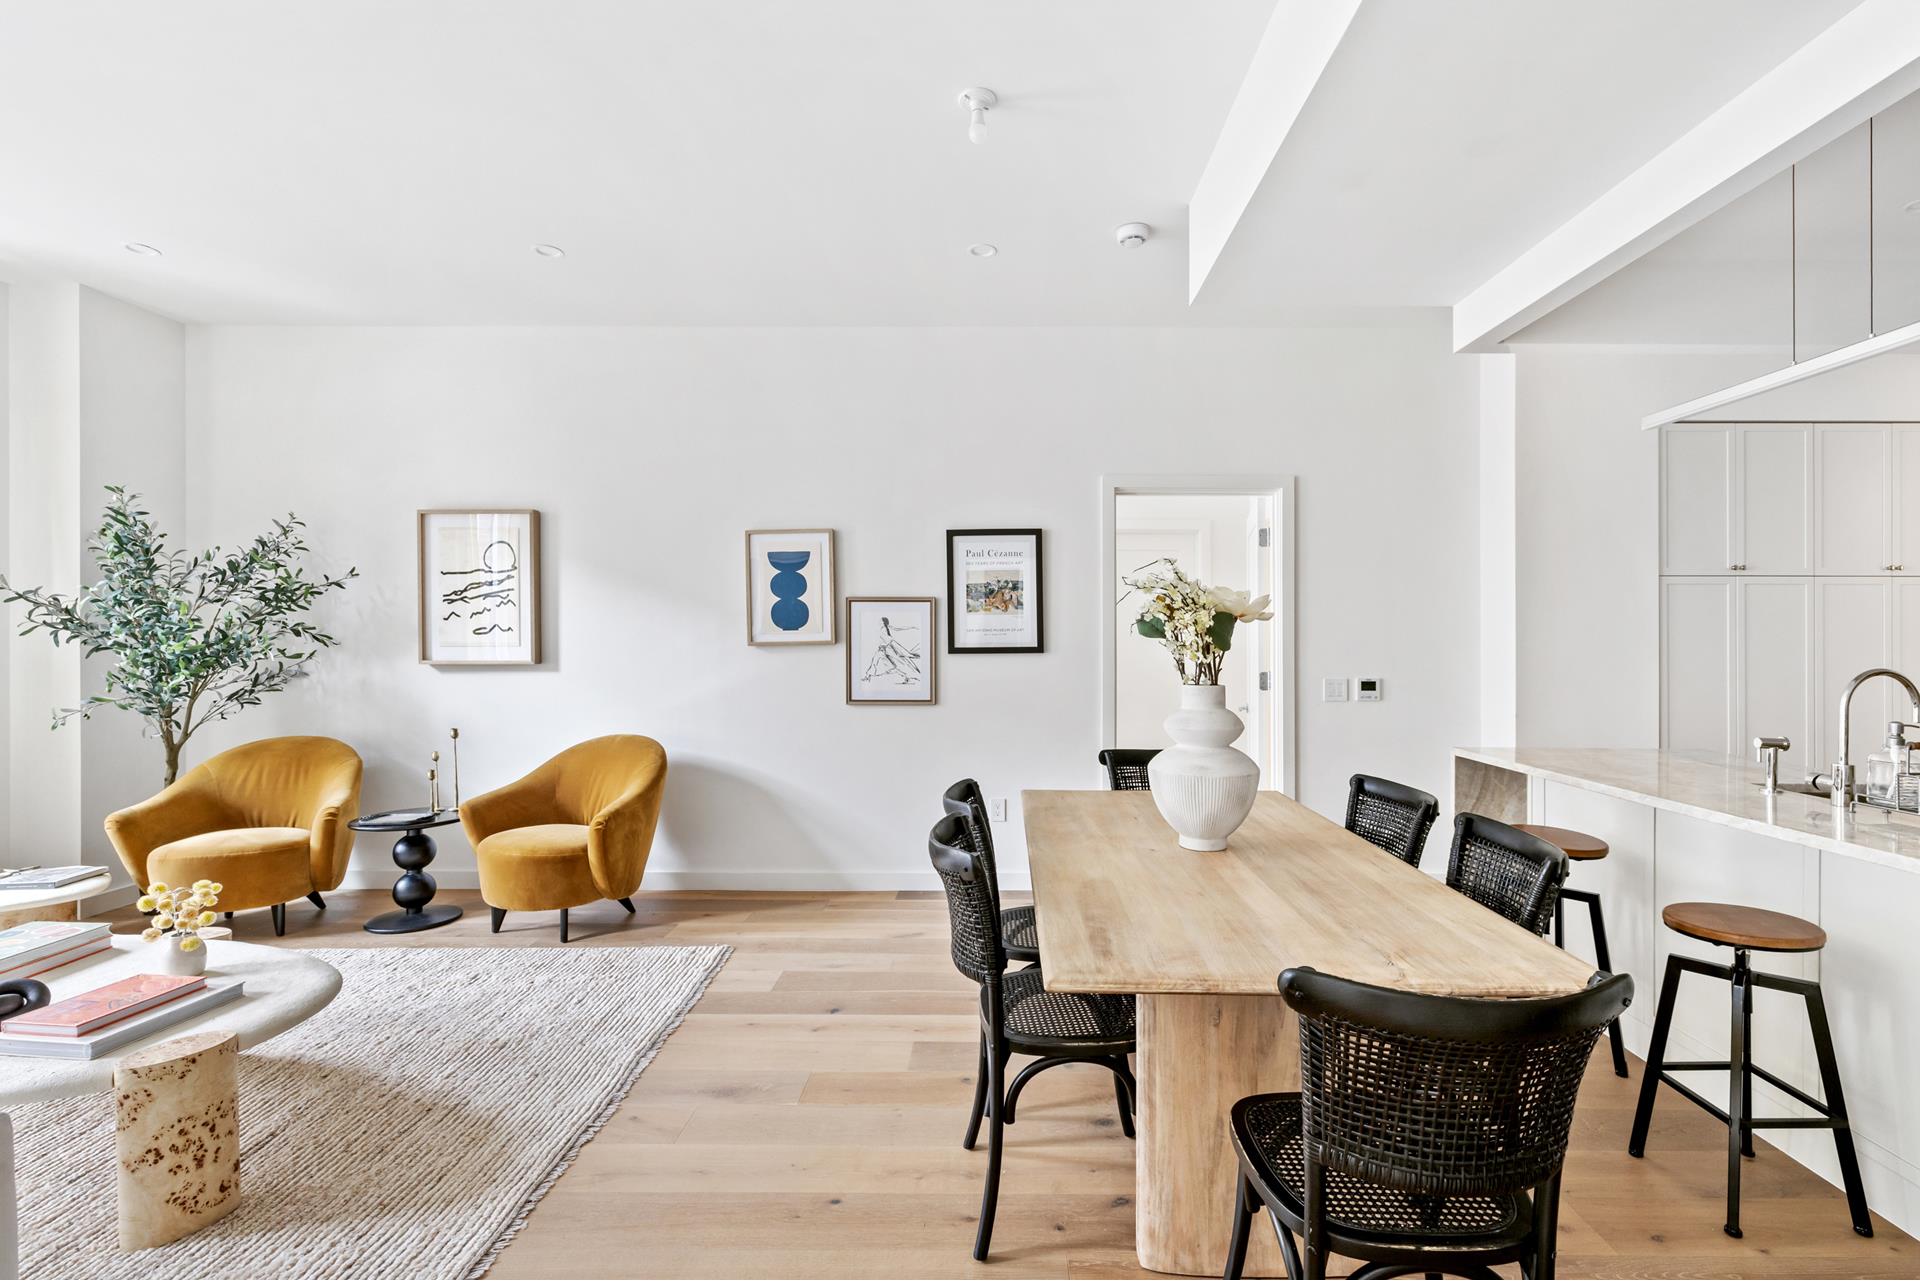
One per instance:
[(995, 601)]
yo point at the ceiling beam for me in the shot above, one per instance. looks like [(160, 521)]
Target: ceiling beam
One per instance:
[(1299, 42), (1862, 64)]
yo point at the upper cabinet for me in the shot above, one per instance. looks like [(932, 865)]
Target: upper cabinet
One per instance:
[(1738, 499), (1853, 533), (1905, 498)]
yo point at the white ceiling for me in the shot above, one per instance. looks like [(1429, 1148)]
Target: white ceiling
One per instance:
[(1444, 139), (700, 161), (768, 162)]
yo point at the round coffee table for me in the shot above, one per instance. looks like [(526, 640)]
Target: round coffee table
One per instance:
[(30, 901), (412, 852)]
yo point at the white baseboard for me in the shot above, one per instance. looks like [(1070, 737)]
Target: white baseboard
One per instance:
[(823, 881)]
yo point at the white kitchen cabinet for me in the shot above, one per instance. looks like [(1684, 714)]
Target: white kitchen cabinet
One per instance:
[(1906, 498), (1698, 670), (1854, 632), (1697, 508), (1773, 665), (1853, 522)]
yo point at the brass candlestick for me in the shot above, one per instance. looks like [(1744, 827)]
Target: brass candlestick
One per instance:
[(433, 785), (456, 767)]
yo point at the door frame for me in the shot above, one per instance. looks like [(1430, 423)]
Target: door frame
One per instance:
[(1277, 487)]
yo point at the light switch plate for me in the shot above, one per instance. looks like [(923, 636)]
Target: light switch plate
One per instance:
[(1371, 689), (997, 809), (1333, 689)]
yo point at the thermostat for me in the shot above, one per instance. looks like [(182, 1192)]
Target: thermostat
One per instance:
[(1369, 687)]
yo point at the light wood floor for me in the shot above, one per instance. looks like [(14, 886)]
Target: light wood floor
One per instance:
[(806, 1121)]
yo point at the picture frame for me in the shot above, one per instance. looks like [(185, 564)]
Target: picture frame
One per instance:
[(892, 651), (791, 587), (996, 592), (479, 586)]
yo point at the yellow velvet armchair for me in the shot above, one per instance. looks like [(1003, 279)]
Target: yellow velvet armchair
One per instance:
[(576, 830), (268, 820)]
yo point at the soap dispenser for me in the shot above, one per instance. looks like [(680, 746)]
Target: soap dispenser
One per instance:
[(1892, 782)]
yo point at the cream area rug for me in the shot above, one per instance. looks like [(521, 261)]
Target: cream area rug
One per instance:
[(405, 1131)]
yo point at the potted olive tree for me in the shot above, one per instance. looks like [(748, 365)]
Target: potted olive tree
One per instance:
[(194, 638)]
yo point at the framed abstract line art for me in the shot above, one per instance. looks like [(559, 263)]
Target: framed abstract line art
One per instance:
[(890, 649), (479, 587), (995, 598), (790, 587)]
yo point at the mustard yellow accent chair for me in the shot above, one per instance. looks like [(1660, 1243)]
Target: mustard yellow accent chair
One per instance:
[(268, 820), (576, 830)]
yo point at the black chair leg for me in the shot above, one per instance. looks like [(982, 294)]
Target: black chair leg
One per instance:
[(979, 1097), (1243, 1206), (563, 925), (990, 1197), (315, 899), (1837, 1109), (1656, 1058), (1123, 1095), (1737, 1085), (1604, 960), (1546, 1227), (628, 904), (1560, 925), (499, 914), (229, 915), (280, 919)]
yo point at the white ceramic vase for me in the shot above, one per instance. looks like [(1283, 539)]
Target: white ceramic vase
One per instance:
[(1204, 788), (174, 960)]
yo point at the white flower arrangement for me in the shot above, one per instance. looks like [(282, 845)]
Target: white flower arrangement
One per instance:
[(1194, 621), (180, 913)]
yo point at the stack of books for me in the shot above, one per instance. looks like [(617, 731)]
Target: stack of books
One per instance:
[(46, 878), (107, 1018), (39, 946)]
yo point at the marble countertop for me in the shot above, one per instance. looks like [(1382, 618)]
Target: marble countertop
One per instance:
[(1719, 789)]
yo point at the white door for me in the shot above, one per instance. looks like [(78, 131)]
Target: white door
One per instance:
[(1775, 499), (1775, 664), (1854, 634), (1697, 504), (1906, 502), (1852, 468), (1696, 694)]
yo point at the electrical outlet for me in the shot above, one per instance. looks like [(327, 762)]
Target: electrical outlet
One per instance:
[(997, 809), (1333, 689)]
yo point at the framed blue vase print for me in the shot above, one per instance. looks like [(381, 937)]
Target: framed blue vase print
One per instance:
[(790, 587)]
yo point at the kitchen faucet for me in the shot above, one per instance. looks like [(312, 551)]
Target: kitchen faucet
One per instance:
[(1842, 783)]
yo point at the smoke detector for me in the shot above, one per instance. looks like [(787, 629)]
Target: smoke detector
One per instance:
[(1132, 235), (978, 102)]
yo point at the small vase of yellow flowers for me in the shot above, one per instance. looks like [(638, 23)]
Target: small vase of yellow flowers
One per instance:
[(179, 914)]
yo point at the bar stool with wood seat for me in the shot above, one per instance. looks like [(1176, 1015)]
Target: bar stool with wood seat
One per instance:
[(1579, 847), (1747, 930), (1127, 768)]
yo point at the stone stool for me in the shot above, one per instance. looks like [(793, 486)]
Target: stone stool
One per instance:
[(1580, 848), (1747, 930), (178, 1137)]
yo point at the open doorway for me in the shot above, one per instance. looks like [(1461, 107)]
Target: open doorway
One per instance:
[(1233, 533)]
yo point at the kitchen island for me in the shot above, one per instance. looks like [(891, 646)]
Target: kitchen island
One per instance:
[(1689, 826)]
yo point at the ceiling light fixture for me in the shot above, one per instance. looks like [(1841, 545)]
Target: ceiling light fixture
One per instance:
[(983, 250), (1132, 235), (978, 102), (550, 251), (144, 250)]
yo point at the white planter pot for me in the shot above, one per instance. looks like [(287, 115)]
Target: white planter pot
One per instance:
[(175, 961), (1204, 788)]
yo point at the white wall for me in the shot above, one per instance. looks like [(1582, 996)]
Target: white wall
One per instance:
[(650, 451)]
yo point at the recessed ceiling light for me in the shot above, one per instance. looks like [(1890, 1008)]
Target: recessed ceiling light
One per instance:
[(145, 251), (983, 250), (550, 251)]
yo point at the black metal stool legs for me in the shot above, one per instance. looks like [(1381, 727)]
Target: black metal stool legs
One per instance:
[(1601, 957), (1741, 1069), (979, 1097)]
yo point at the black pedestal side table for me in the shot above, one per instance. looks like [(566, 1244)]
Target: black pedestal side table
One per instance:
[(412, 852)]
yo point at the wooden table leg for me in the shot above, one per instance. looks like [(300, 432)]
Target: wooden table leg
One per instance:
[(1198, 1056), (178, 1137)]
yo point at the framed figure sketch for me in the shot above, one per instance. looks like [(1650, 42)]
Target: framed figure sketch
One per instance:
[(995, 600), (790, 591), (479, 586), (890, 649)]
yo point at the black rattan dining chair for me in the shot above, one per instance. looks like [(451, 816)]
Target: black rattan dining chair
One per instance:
[(1127, 768), (1391, 815), (1513, 872), (1017, 1013), (1019, 932), (1428, 1133)]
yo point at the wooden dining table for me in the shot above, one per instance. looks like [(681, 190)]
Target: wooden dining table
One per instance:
[(1201, 939)]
